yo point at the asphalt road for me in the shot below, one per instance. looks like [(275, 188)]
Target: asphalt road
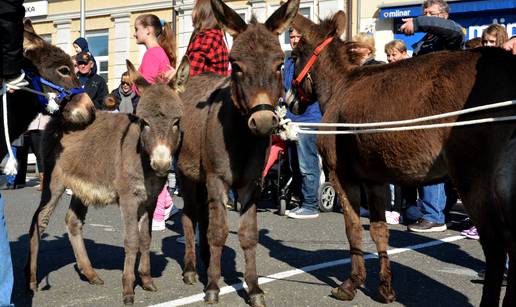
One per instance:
[(302, 260)]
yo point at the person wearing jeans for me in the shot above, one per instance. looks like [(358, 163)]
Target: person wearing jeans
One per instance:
[(441, 34), (304, 159)]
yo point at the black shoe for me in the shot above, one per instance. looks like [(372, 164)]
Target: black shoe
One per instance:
[(482, 274), (8, 186), (426, 226)]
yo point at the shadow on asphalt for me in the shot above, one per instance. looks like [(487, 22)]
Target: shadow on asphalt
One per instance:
[(407, 281)]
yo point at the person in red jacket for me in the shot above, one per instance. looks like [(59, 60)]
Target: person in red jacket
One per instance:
[(207, 50)]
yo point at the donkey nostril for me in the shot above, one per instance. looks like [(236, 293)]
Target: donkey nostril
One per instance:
[(252, 123)]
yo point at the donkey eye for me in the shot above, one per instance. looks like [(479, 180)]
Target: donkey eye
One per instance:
[(64, 70)]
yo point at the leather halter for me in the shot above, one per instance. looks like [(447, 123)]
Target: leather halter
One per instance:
[(305, 71)]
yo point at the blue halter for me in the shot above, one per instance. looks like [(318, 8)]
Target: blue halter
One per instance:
[(36, 82)]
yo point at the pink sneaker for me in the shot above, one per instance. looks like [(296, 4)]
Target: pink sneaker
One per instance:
[(471, 233), (160, 212)]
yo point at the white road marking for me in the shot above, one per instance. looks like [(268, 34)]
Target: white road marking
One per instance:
[(283, 275)]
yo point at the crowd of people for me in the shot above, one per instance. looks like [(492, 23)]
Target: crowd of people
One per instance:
[(208, 52)]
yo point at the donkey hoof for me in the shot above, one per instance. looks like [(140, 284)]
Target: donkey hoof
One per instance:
[(257, 300), (190, 278), (342, 294), (387, 295), (129, 300), (211, 297), (96, 281), (32, 286), (150, 287)]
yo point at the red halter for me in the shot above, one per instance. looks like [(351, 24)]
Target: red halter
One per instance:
[(308, 66)]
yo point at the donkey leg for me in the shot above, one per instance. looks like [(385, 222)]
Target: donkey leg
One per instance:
[(248, 235), (217, 235), (131, 245), (145, 238), (379, 232), (49, 198), (350, 201), (74, 223), (189, 221)]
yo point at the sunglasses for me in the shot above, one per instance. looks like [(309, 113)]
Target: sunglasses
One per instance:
[(125, 83)]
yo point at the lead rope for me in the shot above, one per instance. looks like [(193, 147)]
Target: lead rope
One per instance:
[(11, 167), (289, 130)]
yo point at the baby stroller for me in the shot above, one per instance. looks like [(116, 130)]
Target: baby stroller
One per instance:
[(277, 180)]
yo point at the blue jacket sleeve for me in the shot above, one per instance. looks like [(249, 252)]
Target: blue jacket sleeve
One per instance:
[(448, 30)]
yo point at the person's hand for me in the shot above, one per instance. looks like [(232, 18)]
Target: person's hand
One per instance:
[(510, 45), (408, 26), (168, 75)]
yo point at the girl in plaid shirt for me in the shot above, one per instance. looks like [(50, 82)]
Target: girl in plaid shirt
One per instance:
[(207, 50)]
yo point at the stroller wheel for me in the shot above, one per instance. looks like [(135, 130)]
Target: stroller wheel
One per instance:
[(282, 206), (326, 197)]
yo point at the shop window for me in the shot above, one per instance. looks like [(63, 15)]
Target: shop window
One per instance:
[(98, 42)]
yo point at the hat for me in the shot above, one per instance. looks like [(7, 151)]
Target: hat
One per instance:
[(83, 57)]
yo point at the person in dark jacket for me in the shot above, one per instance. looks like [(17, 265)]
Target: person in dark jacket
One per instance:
[(126, 98), (94, 85), (11, 58), (441, 34), (81, 45)]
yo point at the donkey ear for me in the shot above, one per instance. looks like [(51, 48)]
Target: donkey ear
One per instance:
[(307, 28), (136, 78), (230, 21), (182, 75), (30, 39), (339, 20), (282, 17), (27, 26)]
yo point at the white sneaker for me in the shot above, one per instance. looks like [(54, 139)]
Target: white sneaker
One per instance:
[(69, 191), (158, 226), (392, 217)]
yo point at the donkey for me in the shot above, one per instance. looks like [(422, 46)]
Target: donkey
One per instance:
[(53, 64), (427, 85), (124, 161), (226, 138)]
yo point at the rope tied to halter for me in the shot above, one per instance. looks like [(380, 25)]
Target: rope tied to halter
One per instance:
[(49, 100), (289, 130)]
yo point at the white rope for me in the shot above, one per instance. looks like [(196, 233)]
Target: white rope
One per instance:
[(406, 128), (52, 106), (410, 121), (11, 167)]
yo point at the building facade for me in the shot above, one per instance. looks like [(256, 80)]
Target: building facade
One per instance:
[(109, 25)]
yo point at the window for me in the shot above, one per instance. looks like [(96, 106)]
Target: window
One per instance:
[(46, 37), (98, 43)]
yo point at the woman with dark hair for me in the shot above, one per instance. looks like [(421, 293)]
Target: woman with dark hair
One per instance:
[(160, 58), (207, 50), (158, 64)]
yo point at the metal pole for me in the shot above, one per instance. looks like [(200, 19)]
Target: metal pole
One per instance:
[(83, 23), (174, 15)]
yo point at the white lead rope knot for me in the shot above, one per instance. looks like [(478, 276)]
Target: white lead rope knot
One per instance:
[(11, 167)]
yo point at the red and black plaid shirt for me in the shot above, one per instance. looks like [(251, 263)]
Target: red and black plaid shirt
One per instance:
[(208, 52)]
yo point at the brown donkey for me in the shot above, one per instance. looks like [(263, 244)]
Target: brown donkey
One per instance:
[(53, 64), (470, 156), (226, 137), (119, 159)]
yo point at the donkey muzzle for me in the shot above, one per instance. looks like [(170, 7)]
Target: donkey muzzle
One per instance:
[(263, 120), (161, 160), (79, 111)]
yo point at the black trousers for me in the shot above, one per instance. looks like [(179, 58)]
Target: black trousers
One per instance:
[(11, 37)]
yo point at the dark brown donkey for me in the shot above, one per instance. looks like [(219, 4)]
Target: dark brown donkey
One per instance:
[(118, 159), (53, 64), (226, 137), (427, 85)]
